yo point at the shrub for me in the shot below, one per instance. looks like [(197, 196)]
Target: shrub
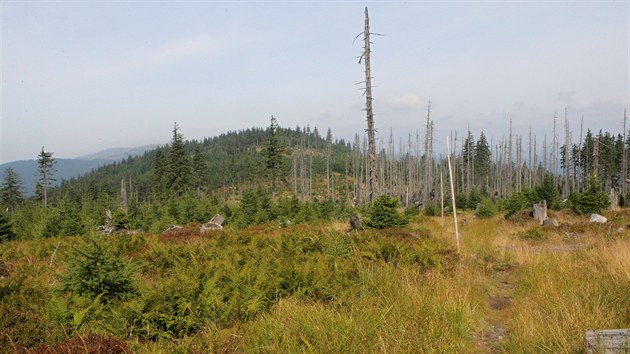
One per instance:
[(383, 213), (94, 270), (6, 229), (593, 200), (486, 209), (549, 192), (432, 209)]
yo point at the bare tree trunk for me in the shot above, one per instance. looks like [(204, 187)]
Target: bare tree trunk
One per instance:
[(373, 182), (567, 155), (450, 171), (428, 156), (442, 196), (624, 167)]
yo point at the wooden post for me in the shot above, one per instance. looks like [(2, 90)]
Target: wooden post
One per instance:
[(450, 172)]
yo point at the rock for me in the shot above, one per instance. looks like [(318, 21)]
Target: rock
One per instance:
[(550, 222), (597, 218), (620, 230)]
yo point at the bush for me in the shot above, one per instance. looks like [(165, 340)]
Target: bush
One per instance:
[(486, 209), (6, 229), (549, 192), (383, 213), (521, 201), (94, 270), (591, 201), (432, 209)]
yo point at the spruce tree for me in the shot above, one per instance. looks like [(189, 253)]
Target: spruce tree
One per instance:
[(483, 160), (11, 190), (6, 229), (94, 270), (46, 169), (159, 172), (275, 153), (200, 168), (179, 171), (384, 213)]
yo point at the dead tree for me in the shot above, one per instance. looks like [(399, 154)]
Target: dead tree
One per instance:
[(568, 159), (123, 196), (428, 155), (624, 164), (365, 56)]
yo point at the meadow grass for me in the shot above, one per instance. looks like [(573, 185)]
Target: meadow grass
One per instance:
[(370, 291)]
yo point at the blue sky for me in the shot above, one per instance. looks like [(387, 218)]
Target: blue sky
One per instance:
[(78, 77)]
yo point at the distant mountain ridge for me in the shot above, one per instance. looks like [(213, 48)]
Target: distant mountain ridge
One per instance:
[(71, 168), (117, 154)]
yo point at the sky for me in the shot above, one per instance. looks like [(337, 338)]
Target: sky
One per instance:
[(79, 76)]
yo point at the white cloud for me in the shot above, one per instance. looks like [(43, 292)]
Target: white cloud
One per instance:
[(406, 102), (142, 59)]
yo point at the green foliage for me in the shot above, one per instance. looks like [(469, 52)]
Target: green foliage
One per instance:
[(275, 152), (432, 209), (461, 201), (534, 234), (486, 209), (549, 192), (120, 220), (383, 213), (179, 175), (11, 190), (593, 200), (94, 270), (473, 199), (200, 168), (6, 229), (63, 220), (255, 208), (521, 201), (46, 169)]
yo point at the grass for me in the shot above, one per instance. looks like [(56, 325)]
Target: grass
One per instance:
[(374, 295)]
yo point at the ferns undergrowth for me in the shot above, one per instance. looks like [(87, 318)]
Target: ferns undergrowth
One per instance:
[(317, 288)]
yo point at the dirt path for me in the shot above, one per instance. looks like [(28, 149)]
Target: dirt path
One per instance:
[(499, 305)]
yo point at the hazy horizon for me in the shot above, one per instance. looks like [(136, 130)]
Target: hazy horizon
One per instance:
[(81, 77)]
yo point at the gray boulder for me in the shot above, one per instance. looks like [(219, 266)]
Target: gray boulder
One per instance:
[(550, 222), (597, 218)]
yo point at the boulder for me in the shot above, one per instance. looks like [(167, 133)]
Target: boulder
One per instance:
[(550, 222), (597, 218)]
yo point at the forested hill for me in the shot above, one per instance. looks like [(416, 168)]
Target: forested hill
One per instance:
[(235, 160)]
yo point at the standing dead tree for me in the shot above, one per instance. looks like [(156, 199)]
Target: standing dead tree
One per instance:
[(365, 57), (624, 164), (428, 155)]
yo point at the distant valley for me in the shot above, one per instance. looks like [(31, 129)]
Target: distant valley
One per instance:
[(69, 168)]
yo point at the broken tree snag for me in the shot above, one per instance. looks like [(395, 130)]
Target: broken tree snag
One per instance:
[(365, 56), (540, 211), (355, 223), (216, 223)]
